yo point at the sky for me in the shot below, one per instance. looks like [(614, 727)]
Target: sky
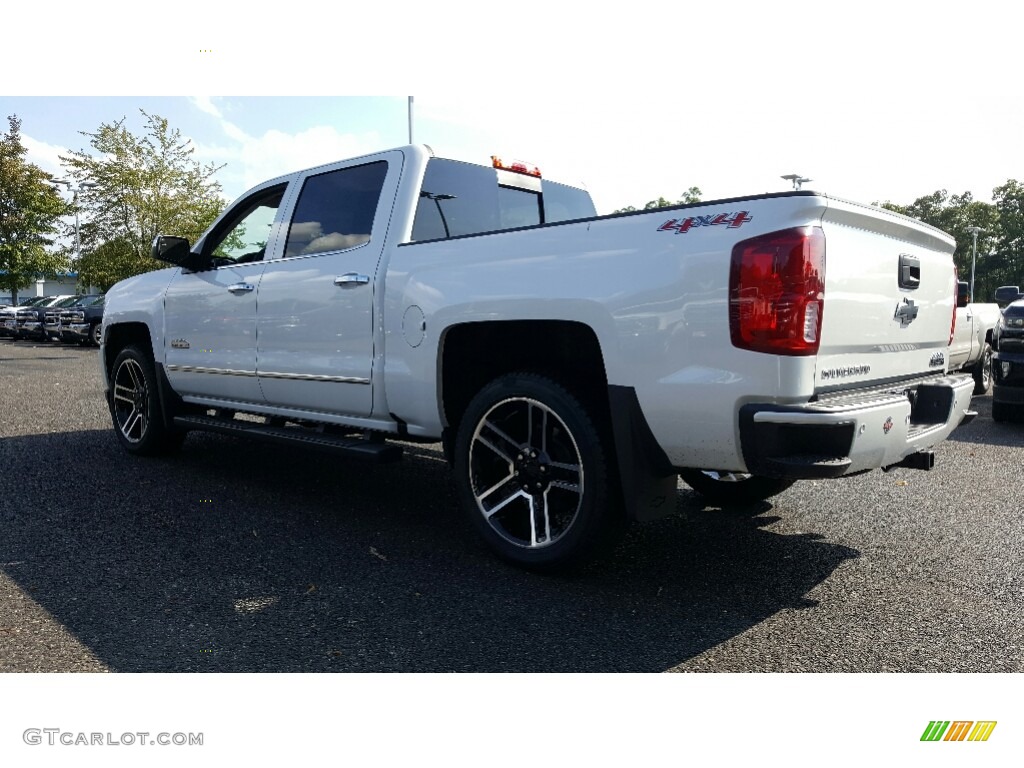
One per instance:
[(873, 102)]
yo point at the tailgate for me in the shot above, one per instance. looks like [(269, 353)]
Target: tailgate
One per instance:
[(889, 297)]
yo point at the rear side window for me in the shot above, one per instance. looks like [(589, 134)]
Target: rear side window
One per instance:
[(335, 210), (562, 203), (465, 199)]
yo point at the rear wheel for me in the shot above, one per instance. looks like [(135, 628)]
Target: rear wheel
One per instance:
[(532, 476), (982, 372), (1002, 411), (733, 488), (134, 402)]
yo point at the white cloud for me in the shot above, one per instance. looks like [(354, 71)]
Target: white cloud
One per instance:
[(46, 156), (252, 160)]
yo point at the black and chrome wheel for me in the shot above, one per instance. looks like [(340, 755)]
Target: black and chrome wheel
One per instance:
[(983, 372), (530, 467), (733, 488), (135, 406), (96, 334)]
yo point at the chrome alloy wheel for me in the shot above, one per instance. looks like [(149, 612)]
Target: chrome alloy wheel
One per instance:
[(526, 472), (131, 400)]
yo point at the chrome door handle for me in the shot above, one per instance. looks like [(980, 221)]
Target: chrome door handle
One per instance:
[(351, 278), (241, 288)]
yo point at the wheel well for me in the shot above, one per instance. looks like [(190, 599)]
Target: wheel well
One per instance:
[(476, 353), (120, 336)]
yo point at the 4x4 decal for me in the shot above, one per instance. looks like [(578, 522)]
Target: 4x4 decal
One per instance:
[(681, 226)]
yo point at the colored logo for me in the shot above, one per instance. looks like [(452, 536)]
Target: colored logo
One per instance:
[(958, 730), (887, 426), (682, 226)]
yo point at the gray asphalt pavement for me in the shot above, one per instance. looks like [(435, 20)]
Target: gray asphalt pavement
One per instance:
[(236, 556)]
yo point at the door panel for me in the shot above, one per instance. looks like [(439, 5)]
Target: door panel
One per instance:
[(316, 316), (210, 315), (210, 333)]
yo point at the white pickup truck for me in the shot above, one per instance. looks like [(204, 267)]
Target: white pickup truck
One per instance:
[(573, 366), (971, 348)]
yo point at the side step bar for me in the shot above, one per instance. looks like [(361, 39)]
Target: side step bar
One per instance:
[(360, 448)]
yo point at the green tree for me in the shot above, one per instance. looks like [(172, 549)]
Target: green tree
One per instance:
[(955, 215), (30, 211), (1007, 261), (144, 186), (692, 195)]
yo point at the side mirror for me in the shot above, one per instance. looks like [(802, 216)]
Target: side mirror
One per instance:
[(177, 251), (1007, 293), (173, 250), (963, 293)]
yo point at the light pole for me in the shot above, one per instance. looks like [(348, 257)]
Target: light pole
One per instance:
[(974, 254), (410, 119), (74, 201)]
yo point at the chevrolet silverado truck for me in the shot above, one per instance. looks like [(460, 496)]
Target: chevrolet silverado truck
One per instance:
[(1008, 364), (81, 322), (28, 321), (572, 366), (9, 315), (971, 348)]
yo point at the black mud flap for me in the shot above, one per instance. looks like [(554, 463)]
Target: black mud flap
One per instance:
[(648, 479)]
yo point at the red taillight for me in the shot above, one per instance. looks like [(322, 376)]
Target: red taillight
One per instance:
[(952, 325), (777, 292)]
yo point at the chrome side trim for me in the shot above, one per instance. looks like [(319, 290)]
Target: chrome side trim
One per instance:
[(313, 377), (268, 374), (200, 369)]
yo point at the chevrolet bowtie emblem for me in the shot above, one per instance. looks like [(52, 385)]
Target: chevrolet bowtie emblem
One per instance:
[(906, 313)]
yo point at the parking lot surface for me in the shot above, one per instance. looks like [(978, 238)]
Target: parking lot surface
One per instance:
[(237, 556)]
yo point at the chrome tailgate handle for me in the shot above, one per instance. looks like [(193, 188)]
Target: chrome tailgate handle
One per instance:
[(910, 271), (241, 288), (351, 278)]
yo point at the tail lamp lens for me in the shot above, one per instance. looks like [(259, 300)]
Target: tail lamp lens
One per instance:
[(777, 292)]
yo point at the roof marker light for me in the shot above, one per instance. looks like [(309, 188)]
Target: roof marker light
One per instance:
[(516, 166)]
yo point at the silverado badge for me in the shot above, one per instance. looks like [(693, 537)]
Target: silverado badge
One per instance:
[(179, 344), (938, 359)]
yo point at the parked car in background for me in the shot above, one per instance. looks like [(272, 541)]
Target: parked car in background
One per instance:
[(1008, 364), (8, 316), (1007, 294), (970, 350), (29, 320), (52, 315), (83, 322)]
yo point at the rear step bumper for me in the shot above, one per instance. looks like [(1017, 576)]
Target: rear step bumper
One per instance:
[(853, 433), (376, 451)]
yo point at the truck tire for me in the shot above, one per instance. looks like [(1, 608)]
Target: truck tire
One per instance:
[(729, 489), (96, 334), (134, 402), (1004, 411), (982, 372), (532, 475)]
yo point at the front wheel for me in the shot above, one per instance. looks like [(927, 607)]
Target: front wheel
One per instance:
[(134, 402), (982, 372), (532, 476), (96, 334), (729, 489)]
